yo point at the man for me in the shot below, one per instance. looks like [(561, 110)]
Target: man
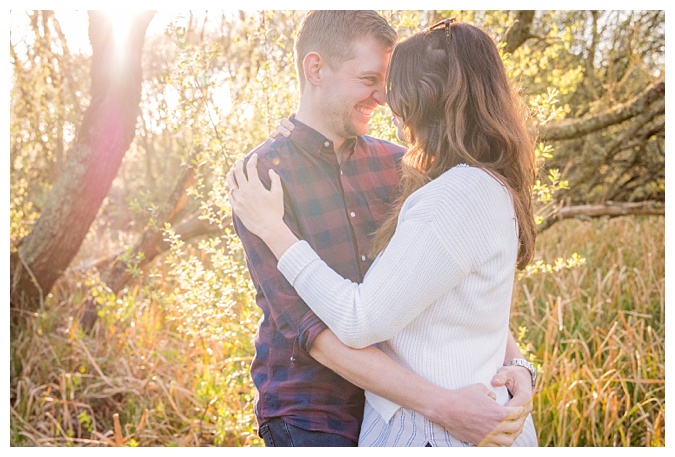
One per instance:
[(338, 185)]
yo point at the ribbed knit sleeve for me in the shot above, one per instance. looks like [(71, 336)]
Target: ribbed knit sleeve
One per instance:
[(445, 230)]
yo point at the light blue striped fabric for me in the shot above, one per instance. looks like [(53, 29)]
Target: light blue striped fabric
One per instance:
[(411, 429)]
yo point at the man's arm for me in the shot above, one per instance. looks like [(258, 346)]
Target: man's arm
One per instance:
[(517, 380), (470, 414), (291, 315)]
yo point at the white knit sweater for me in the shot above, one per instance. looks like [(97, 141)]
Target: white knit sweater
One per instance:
[(438, 298)]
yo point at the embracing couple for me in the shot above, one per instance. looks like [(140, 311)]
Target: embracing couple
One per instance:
[(387, 270)]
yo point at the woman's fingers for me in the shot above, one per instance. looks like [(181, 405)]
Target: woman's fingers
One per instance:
[(239, 176), (284, 127), (244, 176), (231, 182), (275, 182), (252, 172)]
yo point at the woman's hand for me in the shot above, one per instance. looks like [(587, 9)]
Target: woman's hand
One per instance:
[(285, 127), (260, 210)]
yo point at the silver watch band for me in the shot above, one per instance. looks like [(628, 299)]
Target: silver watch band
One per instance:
[(527, 365)]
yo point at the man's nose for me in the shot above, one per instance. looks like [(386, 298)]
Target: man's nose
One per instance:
[(379, 95)]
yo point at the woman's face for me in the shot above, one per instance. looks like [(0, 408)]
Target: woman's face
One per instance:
[(398, 123)]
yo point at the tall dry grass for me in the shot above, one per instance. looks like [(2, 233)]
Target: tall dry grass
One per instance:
[(598, 333), (157, 372)]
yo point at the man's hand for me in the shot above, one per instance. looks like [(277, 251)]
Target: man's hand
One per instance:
[(472, 415), (519, 383)]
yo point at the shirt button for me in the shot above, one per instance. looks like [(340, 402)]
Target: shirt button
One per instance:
[(352, 214), (326, 143), (363, 258)]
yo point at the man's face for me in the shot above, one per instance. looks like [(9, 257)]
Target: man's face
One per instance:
[(354, 90)]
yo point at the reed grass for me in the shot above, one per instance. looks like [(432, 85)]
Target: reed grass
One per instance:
[(598, 333), (158, 371)]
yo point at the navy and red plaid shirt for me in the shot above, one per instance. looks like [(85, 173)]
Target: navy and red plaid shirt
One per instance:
[(335, 208)]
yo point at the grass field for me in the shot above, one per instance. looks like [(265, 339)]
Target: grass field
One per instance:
[(167, 363)]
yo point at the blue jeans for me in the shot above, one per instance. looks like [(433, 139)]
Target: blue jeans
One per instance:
[(277, 433)]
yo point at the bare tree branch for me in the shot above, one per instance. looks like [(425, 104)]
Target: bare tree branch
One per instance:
[(519, 32), (604, 210), (117, 275), (574, 128)]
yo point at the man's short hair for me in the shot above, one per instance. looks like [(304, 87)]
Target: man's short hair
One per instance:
[(330, 33)]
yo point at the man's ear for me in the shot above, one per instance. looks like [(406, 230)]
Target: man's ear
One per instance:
[(312, 65)]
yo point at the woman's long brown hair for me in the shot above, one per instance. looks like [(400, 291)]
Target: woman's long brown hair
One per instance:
[(451, 90)]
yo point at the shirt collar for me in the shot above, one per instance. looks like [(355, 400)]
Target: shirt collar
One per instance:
[(314, 142)]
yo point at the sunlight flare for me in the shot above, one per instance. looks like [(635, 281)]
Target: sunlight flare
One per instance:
[(121, 22)]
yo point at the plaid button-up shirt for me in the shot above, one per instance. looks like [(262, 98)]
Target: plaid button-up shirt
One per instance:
[(335, 207)]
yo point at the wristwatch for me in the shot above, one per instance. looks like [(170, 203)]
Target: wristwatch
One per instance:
[(525, 364)]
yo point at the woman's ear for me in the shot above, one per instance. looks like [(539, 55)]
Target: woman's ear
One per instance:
[(312, 65)]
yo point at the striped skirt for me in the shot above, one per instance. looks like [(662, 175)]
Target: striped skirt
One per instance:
[(408, 428)]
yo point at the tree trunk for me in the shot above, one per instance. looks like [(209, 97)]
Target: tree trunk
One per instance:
[(106, 132)]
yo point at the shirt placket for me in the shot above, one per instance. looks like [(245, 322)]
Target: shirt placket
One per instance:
[(357, 214), (354, 210)]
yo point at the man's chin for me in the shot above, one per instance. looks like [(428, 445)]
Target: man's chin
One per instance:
[(359, 130)]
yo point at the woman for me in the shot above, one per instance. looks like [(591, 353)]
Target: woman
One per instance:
[(437, 297)]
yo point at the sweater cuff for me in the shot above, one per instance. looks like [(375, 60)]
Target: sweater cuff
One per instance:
[(295, 259)]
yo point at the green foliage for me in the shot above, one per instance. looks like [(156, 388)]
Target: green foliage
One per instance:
[(544, 109), (211, 294)]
